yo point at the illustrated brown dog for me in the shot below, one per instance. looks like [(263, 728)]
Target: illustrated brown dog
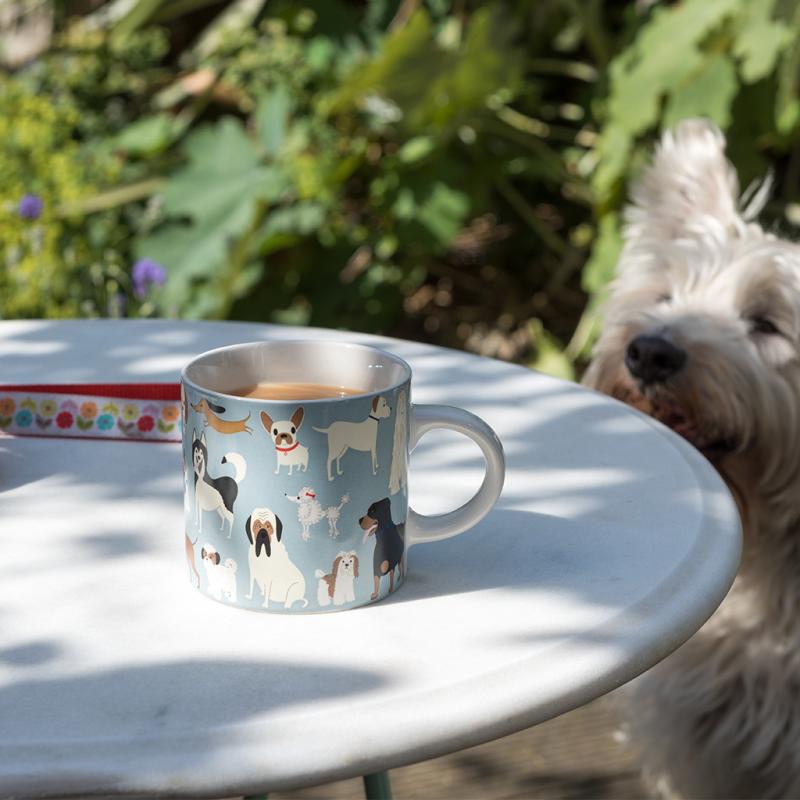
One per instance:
[(220, 425)]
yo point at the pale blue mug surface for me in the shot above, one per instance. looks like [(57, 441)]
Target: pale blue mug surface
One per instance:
[(302, 506)]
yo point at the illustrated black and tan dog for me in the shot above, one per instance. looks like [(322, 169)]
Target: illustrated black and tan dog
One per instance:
[(271, 569), (214, 494), (389, 543)]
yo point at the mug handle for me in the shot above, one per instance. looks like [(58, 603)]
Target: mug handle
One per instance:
[(422, 528)]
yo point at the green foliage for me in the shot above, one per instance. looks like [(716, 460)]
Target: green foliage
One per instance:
[(452, 171), (689, 59)]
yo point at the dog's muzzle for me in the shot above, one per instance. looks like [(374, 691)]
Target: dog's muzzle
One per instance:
[(653, 359), (262, 540)]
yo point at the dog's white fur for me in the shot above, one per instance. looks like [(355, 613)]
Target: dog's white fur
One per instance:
[(399, 468), (721, 716), (310, 511), (343, 436), (279, 580), (339, 584), (221, 576)]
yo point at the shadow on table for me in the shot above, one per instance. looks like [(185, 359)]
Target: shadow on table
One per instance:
[(94, 704)]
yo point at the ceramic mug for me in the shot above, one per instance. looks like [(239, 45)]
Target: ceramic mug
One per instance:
[(302, 506)]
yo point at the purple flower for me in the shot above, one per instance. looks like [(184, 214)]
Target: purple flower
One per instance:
[(30, 207), (146, 273)]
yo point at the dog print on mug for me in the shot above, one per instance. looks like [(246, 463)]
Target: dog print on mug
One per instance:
[(363, 435), (215, 494), (399, 468), (275, 495), (271, 570), (221, 575), (288, 450), (310, 511), (210, 411), (338, 585), (389, 543)]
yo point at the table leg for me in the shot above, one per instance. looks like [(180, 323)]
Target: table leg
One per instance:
[(378, 786)]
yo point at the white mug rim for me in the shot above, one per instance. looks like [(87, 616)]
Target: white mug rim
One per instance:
[(397, 384)]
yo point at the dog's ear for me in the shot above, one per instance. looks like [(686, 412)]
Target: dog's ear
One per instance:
[(216, 408), (216, 558), (203, 553), (688, 183), (266, 421), (203, 439), (355, 566), (297, 417), (247, 529), (375, 401), (194, 434), (278, 528), (336, 562)]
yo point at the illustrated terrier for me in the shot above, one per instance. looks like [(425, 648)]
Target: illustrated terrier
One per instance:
[(702, 331), (338, 585)]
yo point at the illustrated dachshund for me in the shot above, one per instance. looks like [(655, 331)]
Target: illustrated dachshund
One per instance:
[(389, 542), (206, 409)]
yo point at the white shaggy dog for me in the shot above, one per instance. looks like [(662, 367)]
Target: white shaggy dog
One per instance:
[(399, 468), (339, 584), (702, 331), (310, 512), (221, 576)]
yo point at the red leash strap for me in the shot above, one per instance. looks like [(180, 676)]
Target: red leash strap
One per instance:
[(129, 411)]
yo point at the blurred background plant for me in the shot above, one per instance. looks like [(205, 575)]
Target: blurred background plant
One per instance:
[(447, 171)]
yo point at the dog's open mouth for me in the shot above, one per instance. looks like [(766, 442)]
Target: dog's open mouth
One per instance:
[(712, 444)]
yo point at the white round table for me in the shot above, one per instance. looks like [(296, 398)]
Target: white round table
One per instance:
[(612, 543)]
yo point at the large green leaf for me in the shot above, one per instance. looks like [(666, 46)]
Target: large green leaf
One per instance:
[(223, 174), (219, 191), (661, 58), (707, 93), (760, 40)]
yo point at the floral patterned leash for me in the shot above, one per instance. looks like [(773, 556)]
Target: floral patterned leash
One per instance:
[(128, 411)]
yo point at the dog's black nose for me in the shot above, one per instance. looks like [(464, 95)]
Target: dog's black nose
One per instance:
[(652, 359)]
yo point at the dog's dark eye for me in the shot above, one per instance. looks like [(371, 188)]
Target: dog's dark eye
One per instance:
[(292, 428), (274, 431), (664, 298), (763, 325)]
